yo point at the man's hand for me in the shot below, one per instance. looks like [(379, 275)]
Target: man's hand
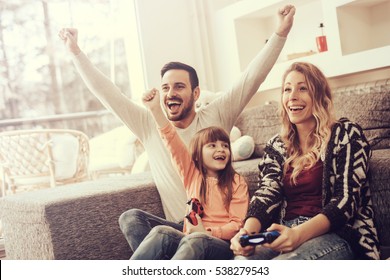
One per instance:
[(286, 19), (69, 36)]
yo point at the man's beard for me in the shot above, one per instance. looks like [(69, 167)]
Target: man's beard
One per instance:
[(184, 113)]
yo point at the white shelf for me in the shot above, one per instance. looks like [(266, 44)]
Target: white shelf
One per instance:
[(363, 25), (353, 63), (356, 30)]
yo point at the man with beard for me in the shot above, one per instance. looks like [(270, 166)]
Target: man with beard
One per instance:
[(179, 91)]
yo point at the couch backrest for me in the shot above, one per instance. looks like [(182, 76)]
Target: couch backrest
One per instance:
[(261, 122), (367, 104)]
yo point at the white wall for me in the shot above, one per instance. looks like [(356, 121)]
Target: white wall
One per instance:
[(179, 30), (185, 30), (168, 34)]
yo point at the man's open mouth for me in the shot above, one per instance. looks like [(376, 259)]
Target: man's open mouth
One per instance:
[(172, 105)]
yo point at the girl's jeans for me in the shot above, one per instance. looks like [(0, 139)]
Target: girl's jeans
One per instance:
[(136, 225), (165, 242), (329, 246)]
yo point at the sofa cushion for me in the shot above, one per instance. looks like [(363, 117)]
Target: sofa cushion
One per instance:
[(114, 150), (65, 151), (261, 123), (242, 148)]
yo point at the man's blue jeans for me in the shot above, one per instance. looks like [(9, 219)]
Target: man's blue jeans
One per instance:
[(136, 225), (328, 246), (165, 242)]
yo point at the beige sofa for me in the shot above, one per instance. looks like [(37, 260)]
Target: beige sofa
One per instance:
[(80, 221)]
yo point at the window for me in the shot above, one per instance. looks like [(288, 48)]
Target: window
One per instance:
[(37, 77)]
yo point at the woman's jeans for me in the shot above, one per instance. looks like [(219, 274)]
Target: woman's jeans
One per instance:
[(165, 242), (136, 225), (328, 246)]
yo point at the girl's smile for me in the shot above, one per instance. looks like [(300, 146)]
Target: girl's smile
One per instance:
[(215, 157)]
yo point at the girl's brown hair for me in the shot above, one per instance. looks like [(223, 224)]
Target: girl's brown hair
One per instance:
[(323, 113), (225, 176)]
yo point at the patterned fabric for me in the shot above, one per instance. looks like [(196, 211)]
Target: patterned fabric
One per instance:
[(346, 195)]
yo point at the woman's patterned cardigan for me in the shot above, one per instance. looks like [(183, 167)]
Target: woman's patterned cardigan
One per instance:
[(346, 199)]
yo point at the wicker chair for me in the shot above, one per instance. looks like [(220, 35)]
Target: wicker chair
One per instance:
[(31, 159)]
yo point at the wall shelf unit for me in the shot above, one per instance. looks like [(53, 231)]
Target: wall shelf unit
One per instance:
[(357, 31)]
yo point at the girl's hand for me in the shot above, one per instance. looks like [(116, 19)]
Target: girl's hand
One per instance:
[(288, 240), (236, 247), (190, 228), (151, 99)]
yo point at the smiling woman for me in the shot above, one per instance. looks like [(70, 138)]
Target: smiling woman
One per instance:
[(314, 182), (298, 103)]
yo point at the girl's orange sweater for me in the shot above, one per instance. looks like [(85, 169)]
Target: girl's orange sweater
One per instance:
[(222, 223)]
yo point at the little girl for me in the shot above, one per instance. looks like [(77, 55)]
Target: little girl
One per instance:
[(208, 175)]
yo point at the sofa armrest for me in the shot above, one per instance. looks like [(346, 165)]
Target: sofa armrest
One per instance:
[(380, 190), (77, 221)]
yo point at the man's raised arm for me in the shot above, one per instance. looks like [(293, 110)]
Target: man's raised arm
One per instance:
[(103, 88)]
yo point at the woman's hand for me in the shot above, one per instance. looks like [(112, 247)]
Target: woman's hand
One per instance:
[(287, 241), (69, 36), (236, 247)]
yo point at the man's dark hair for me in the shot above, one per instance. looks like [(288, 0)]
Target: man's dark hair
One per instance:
[(181, 66)]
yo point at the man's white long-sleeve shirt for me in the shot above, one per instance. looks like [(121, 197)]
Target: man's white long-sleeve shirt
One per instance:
[(222, 112)]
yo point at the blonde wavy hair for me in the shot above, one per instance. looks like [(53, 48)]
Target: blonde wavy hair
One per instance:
[(323, 112)]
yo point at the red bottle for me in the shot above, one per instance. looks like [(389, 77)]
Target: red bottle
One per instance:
[(322, 45)]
